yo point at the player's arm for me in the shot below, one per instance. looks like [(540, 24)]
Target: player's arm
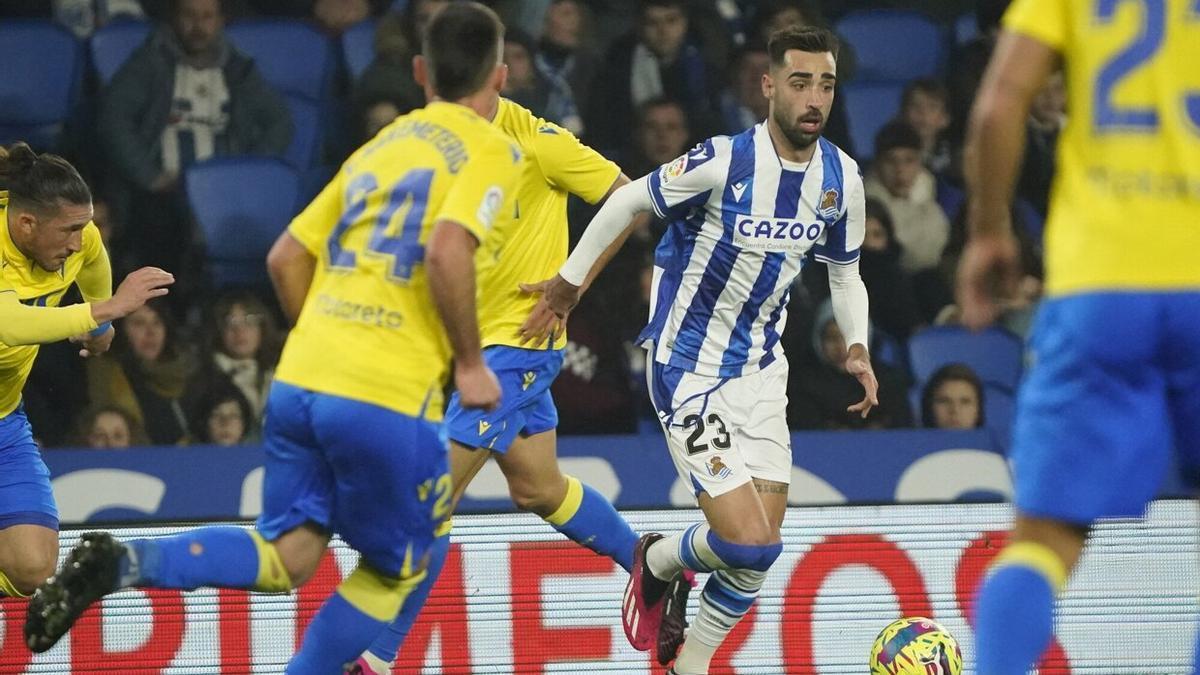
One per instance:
[(95, 284), (848, 293), (995, 144), (292, 260)]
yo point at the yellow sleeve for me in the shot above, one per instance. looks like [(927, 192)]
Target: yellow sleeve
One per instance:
[(572, 166), (95, 279), (21, 325), (316, 222), (1043, 20), (482, 187)]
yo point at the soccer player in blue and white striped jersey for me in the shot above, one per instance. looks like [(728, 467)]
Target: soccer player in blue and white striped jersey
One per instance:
[(746, 213)]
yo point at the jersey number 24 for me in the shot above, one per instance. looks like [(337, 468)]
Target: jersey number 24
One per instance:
[(402, 248)]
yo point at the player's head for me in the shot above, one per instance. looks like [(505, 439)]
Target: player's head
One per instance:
[(48, 205), (197, 24), (462, 53), (799, 85)]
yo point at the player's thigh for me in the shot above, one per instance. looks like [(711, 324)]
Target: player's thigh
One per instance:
[(465, 464), (26, 497), (1091, 437), (765, 441), (297, 482), (738, 516), (530, 466), (1182, 356), (525, 376), (392, 480)]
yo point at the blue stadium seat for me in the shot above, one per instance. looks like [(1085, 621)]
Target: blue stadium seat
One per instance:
[(113, 44), (292, 56), (306, 131), (966, 28), (241, 204), (43, 67), (312, 181), (999, 407), (358, 47), (995, 354), (868, 107), (893, 45)]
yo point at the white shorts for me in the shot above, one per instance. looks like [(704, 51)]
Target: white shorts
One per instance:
[(722, 432)]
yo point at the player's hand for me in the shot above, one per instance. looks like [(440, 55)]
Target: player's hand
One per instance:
[(477, 386), (137, 288), (987, 272), (549, 317), (94, 346), (858, 364)]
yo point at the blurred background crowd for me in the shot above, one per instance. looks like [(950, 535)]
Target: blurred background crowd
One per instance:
[(203, 126)]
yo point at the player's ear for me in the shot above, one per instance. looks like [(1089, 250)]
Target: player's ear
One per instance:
[(500, 76), (768, 85)]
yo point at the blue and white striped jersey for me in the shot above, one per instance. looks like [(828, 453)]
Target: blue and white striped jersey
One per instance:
[(742, 225)]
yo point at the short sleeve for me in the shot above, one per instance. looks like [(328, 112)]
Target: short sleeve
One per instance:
[(839, 243), (315, 223), (481, 189), (1044, 20), (95, 279), (572, 166), (688, 180)]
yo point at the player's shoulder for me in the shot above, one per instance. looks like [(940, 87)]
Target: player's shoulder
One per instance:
[(537, 136), (839, 160)]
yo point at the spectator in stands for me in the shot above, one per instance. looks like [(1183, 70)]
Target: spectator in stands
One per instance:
[(952, 399), (1046, 119), (819, 394), (397, 40), (145, 374), (566, 62), (660, 136), (109, 427), (744, 105), (654, 61), (241, 350), (525, 84), (223, 417), (909, 191), (925, 105), (185, 95)]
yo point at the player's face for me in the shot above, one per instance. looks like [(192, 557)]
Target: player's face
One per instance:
[(146, 332), (241, 333), (800, 92), (663, 30), (955, 405), (225, 424), (56, 236), (109, 430), (198, 23)]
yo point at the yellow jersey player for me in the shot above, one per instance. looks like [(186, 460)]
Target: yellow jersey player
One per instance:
[(47, 244), (1114, 386), (520, 433), (383, 259)]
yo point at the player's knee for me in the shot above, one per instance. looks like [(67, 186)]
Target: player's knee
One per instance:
[(376, 594), (752, 556), (533, 498), (29, 571)]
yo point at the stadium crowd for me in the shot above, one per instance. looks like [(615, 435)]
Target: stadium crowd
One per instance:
[(640, 80)]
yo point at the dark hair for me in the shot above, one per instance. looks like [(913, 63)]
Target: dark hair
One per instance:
[(40, 182), (681, 5), (520, 37), (220, 392), (85, 422), (879, 211), (659, 102), (462, 45), (272, 341), (896, 134), (928, 86), (953, 372), (804, 38)]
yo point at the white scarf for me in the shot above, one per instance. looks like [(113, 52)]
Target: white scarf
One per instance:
[(645, 78)]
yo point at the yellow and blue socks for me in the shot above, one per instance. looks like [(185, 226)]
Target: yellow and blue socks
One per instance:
[(224, 557), (350, 619), (387, 644), (590, 520), (7, 589), (1014, 610)]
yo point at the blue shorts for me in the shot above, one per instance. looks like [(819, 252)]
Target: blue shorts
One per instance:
[(1113, 389), (376, 477), (526, 407), (25, 494)]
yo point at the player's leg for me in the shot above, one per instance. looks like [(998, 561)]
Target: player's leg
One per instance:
[(392, 489), (577, 510), (1091, 440), (28, 517), (465, 463), (291, 536)]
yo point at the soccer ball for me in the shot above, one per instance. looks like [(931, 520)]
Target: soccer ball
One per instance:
[(915, 646)]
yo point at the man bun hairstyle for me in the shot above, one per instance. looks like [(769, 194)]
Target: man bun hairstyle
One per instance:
[(40, 182), (462, 45), (810, 39)]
